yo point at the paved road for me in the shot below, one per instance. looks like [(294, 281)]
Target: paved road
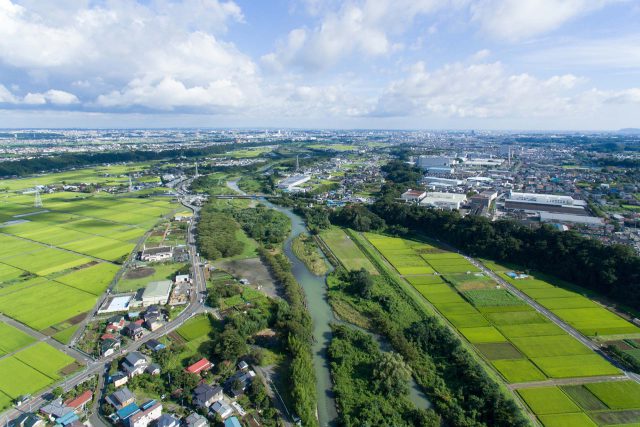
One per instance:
[(95, 367), (551, 316)]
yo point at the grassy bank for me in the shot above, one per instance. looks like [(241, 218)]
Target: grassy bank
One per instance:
[(307, 251)]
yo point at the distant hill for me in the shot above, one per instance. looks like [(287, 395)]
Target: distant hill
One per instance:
[(629, 131)]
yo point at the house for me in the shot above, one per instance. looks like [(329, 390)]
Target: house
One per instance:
[(238, 383), (109, 346), (67, 419), (243, 366), (55, 409), (123, 414), (162, 253), (150, 411), (155, 345), (153, 322), (115, 323), (133, 331), (204, 395), (221, 408), (134, 364), (232, 422), (167, 420), (121, 398), (201, 365), (80, 402), (30, 420), (193, 420), (119, 379), (153, 369)]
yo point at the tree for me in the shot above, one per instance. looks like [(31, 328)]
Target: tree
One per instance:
[(57, 392), (391, 374), (361, 283), (230, 345)]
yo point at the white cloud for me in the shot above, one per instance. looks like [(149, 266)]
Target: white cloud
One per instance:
[(519, 19), (6, 96), (356, 29), (52, 97), (478, 90)]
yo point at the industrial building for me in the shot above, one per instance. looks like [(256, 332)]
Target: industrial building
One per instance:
[(426, 162), (413, 195), (560, 218), (535, 203), (291, 183), (156, 293), (436, 181), (443, 200)]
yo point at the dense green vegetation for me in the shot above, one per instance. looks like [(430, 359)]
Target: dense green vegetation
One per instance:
[(217, 234), (459, 388), (370, 385), (294, 319), (265, 225)]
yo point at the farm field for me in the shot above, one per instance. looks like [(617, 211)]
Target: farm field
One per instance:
[(56, 260), (135, 279), (520, 343), (605, 403), (346, 251), (580, 312)]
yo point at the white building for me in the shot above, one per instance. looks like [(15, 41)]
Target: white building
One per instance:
[(443, 200), (290, 183), (560, 218), (162, 253), (434, 180), (156, 293), (146, 416), (413, 195), (550, 199)]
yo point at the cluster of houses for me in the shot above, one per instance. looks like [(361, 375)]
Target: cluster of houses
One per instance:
[(135, 328), (67, 413), (211, 399)]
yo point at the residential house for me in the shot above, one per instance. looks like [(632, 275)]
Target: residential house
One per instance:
[(69, 419), (30, 420), (153, 322), (109, 346), (80, 402), (232, 422), (119, 379), (239, 382), (150, 411), (201, 365), (167, 420), (125, 413), (155, 345), (115, 323), (204, 395), (153, 369), (194, 420), (121, 398), (55, 409), (134, 364), (221, 408), (134, 331)]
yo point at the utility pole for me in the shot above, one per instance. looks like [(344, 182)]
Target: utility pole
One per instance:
[(38, 200)]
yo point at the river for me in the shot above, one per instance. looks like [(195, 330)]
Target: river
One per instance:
[(315, 290)]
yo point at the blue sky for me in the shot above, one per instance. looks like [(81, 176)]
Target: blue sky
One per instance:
[(426, 64)]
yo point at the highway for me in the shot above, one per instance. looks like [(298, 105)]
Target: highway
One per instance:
[(96, 367), (551, 316)]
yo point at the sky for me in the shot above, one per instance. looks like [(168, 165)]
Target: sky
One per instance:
[(405, 64)]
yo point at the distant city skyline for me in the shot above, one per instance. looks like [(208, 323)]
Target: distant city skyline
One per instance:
[(376, 64)]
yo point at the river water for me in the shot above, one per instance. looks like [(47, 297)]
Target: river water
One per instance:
[(315, 290)]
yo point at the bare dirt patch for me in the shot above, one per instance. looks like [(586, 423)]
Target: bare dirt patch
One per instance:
[(253, 270), (70, 369), (139, 273)]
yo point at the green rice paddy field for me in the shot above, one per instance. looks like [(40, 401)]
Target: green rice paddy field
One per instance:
[(346, 251), (519, 342), (56, 260), (605, 403)]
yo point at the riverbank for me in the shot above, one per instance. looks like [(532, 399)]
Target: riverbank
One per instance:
[(305, 248)]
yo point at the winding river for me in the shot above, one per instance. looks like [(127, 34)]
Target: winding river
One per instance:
[(315, 290)]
